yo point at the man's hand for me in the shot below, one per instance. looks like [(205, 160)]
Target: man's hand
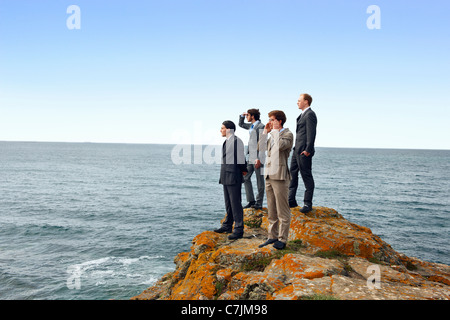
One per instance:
[(244, 173), (257, 164), (306, 153), (268, 127)]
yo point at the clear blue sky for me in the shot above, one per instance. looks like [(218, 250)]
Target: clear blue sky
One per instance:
[(171, 71)]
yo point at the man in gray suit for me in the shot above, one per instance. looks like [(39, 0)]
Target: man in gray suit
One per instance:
[(254, 157), (232, 170), (303, 152)]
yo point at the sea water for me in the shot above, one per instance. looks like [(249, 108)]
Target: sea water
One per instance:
[(104, 221)]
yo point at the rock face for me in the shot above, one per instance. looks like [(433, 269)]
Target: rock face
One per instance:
[(327, 257)]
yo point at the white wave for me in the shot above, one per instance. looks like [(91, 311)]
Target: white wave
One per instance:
[(92, 264), (115, 269), (150, 281)]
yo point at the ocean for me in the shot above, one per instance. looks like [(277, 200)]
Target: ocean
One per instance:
[(91, 221)]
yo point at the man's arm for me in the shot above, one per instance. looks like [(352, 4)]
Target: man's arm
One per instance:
[(262, 146), (241, 163), (260, 156), (242, 124), (286, 142), (311, 125)]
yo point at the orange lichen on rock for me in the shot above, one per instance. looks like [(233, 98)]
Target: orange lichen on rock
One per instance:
[(326, 256), (324, 229), (205, 241)]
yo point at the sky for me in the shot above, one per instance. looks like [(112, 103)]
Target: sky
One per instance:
[(172, 71)]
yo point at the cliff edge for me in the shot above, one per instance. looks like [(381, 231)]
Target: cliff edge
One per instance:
[(327, 257)]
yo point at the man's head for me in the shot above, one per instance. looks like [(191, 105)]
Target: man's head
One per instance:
[(253, 115), (304, 101), (278, 119), (228, 128)]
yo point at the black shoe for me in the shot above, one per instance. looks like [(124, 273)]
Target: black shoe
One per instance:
[(269, 241), (293, 204), (257, 207), (279, 245), (249, 205), (223, 230), (235, 236), (306, 209)]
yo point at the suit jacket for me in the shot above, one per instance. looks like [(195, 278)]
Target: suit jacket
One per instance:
[(306, 132), (252, 151), (278, 146), (233, 162)]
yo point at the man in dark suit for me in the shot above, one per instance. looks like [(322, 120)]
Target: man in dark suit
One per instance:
[(232, 170), (303, 152)]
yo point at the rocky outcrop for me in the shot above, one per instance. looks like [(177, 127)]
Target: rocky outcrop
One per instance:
[(327, 257)]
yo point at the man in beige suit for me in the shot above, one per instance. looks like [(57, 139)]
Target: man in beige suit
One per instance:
[(277, 175)]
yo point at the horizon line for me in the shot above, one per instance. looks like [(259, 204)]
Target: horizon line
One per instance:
[(197, 144)]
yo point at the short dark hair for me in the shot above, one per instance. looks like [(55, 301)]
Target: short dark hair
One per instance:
[(308, 98), (279, 115), (229, 124), (255, 113)]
